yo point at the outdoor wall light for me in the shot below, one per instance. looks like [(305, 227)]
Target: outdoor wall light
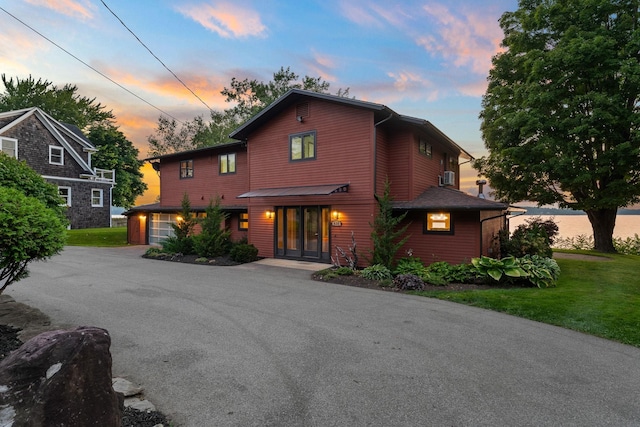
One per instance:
[(335, 215), (269, 214), (179, 218), (142, 216)]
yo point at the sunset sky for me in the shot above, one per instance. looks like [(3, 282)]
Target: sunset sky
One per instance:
[(427, 59)]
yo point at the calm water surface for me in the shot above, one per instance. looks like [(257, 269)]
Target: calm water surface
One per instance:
[(575, 225)]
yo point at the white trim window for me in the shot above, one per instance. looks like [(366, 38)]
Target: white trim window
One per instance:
[(9, 146), (56, 155), (65, 193), (96, 197)]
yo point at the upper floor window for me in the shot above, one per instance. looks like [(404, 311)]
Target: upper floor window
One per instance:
[(56, 155), (9, 146), (227, 163), (302, 146), (65, 193), (186, 169), (96, 197), (425, 148)]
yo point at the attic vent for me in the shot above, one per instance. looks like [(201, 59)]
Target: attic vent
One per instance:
[(302, 110)]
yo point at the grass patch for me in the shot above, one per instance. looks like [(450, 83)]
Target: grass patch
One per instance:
[(595, 297), (116, 236)]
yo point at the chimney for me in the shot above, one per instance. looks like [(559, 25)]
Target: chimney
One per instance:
[(481, 183)]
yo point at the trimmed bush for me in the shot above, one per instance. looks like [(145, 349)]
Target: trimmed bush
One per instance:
[(244, 252)]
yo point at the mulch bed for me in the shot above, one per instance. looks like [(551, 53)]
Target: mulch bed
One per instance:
[(223, 261)]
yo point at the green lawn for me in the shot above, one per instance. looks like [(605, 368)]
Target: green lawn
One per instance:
[(116, 236), (596, 297)]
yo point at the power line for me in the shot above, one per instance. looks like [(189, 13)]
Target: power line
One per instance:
[(87, 65), (154, 55)]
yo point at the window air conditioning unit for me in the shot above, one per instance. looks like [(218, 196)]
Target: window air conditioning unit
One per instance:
[(449, 178)]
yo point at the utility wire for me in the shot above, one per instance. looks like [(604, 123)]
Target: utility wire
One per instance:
[(154, 55), (87, 65)]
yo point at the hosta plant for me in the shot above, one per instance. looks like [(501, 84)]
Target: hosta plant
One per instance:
[(376, 272), (497, 268)]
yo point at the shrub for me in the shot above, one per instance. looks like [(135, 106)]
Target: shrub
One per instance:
[(579, 242), (628, 246), (330, 273), (244, 252), (533, 238), (29, 231), (541, 272), (408, 282), (496, 269), (175, 245), (410, 265), (213, 240), (376, 272)]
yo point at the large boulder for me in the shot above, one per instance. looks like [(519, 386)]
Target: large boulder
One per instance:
[(60, 378)]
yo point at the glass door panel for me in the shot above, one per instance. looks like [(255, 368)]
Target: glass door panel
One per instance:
[(311, 231), (324, 224), (292, 231)]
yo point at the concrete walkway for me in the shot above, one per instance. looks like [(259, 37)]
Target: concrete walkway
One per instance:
[(261, 345)]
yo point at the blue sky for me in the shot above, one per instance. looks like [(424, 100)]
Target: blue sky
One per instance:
[(428, 59)]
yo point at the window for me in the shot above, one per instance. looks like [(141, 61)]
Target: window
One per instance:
[(425, 148), (439, 222), (227, 163), (96, 197), (9, 146), (186, 169), (56, 155), (302, 146), (243, 222), (65, 193)]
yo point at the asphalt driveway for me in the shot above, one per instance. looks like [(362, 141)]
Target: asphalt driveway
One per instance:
[(256, 345)]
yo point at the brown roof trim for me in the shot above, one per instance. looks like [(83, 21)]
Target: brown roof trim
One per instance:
[(444, 198), (310, 190), (217, 147)]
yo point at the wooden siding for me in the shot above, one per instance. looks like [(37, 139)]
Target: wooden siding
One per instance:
[(344, 150), (206, 183), (400, 168), (455, 248)]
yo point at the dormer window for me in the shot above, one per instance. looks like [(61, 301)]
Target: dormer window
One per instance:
[(56, 155)]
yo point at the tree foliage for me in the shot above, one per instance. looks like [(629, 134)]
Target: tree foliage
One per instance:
[(32, 223), (386, 236), (18, 175), (214, 240), (560, 115), (248, 97), (63, 104), (116, 152)]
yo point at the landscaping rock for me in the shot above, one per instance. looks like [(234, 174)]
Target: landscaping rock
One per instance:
[(60, 378)]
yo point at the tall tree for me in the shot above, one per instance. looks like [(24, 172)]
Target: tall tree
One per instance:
[(560, 116), (116, 152), (67, 106), (249, 98), (64, 104)]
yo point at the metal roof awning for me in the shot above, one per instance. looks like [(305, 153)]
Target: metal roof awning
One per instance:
[(311, 190)]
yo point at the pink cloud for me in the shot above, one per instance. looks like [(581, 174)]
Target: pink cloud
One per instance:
[(82, 9), (226, 19), (469, 39)]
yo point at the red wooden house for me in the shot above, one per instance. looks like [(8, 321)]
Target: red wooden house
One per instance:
[(304, 174)]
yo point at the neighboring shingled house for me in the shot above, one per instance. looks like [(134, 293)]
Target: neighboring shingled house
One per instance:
[(62, 155), (303, 176)]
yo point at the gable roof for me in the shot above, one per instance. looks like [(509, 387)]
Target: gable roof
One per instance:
[(60, 132), (445, 198), (381, 112)]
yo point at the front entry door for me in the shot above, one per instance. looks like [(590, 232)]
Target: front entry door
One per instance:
[(302, 232)]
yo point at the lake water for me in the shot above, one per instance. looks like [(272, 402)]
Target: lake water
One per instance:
[(575, 225)]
